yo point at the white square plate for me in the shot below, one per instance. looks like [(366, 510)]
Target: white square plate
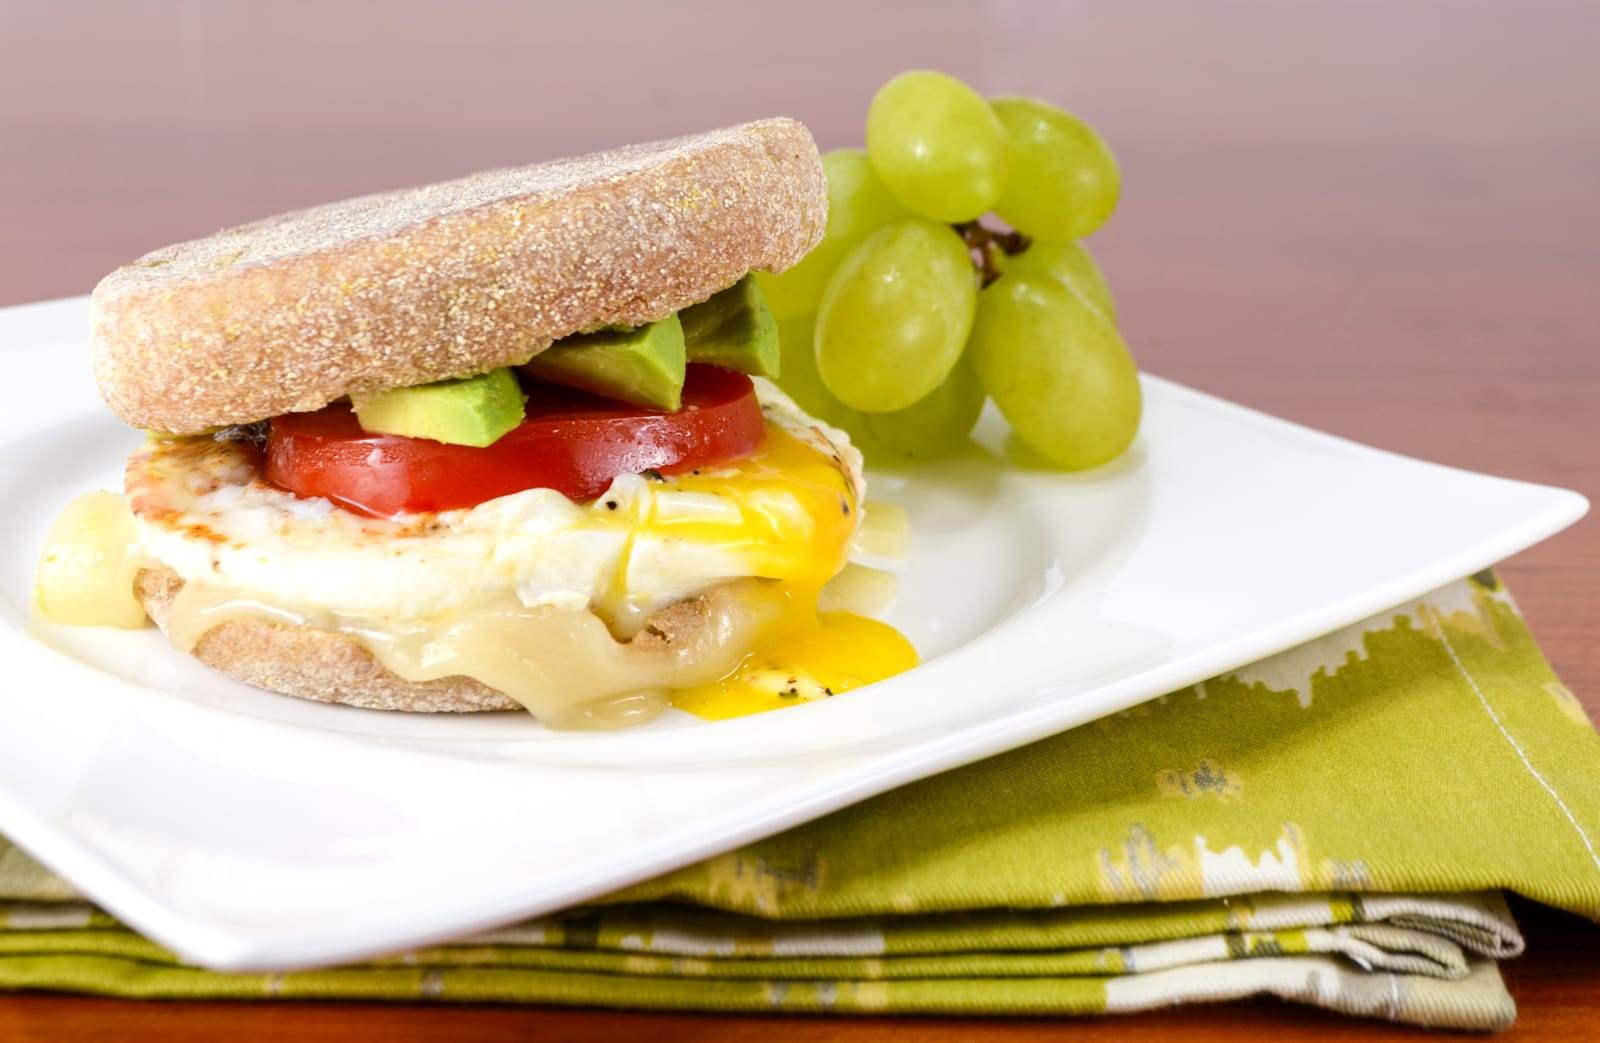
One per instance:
[(248, 830)]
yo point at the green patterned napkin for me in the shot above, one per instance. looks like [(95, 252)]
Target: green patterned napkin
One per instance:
[(1332, 825)]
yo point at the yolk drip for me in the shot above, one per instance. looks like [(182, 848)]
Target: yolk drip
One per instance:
[(797, 515), (833, 653), (795, 512)]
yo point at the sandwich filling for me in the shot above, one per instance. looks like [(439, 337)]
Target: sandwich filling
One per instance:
[(544, 598)]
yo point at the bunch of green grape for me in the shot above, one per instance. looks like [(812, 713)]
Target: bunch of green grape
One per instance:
[(912, 310)]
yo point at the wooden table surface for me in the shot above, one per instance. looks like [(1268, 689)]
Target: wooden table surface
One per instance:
[(1377, 218)]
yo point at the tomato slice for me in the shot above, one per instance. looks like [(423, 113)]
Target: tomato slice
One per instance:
[(570, 441)]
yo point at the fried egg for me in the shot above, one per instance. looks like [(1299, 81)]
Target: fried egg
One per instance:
[(786, 513)]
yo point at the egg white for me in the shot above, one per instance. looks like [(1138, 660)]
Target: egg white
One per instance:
[(202, 511)]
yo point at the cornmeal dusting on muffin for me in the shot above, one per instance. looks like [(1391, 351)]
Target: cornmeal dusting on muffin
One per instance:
[(291, 313)]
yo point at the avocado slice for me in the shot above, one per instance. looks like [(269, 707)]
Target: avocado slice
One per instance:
[(470, 411), (734, 330), (642, 366)]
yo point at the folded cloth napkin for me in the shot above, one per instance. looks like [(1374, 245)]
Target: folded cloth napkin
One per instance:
[(1332, 825)]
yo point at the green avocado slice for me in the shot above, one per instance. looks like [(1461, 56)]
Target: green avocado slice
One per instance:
[(472, 411), (643, 366), (734, 329)]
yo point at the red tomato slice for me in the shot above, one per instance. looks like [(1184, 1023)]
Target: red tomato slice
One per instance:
[(570, 441)]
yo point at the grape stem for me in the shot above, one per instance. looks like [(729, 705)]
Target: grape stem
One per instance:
[(982, 241)]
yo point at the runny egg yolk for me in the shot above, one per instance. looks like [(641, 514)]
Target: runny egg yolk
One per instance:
[(786, 511), (797, 514), (830, 654)]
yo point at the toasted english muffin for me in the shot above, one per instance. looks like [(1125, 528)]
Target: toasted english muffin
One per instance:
[(294, 312)]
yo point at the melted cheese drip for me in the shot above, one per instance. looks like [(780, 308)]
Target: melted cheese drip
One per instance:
[(86, 571), (885, 531), (564, 665)]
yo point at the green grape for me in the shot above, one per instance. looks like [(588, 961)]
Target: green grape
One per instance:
[(937, 424), (1069, 263), (937, 145), (895, 316), (858, 205), (797, 368), (1064, 180), (1058, 370), (799, 379)]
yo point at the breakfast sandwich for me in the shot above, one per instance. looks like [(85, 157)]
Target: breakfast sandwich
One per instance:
[(503, 442)]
